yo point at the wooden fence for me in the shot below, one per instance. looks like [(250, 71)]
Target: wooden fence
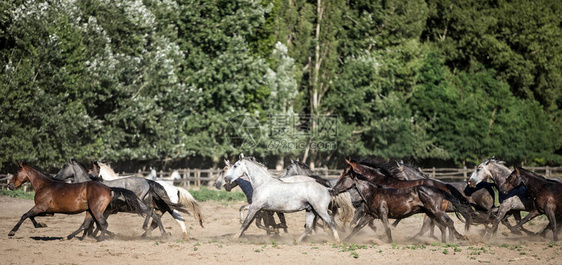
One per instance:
[(194, 178)]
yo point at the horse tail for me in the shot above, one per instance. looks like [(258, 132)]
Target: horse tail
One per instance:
[(161, 198), (457, 194), (187, 200), (345, 206), (465, 210), (129, 199)]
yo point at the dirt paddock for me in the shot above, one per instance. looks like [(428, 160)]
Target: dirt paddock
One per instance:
[(214, 245)]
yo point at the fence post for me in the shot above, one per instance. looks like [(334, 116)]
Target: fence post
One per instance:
[(464, 172), (547, 172), (188, 176), (433, 172)]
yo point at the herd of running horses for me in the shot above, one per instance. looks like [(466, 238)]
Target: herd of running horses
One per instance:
[(367, 189)]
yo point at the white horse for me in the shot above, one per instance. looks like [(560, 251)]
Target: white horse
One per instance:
[(177, 195), (275, 195)]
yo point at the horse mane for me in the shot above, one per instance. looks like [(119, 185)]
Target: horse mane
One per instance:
[(382, 165), (396, 191), (409, 166), (532, 174), (253, 159), (493, 160), (39, 170)]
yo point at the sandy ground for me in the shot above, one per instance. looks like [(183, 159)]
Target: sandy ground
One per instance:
[(213, 244)]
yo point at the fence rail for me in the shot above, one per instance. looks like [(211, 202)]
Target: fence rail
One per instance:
[(206, 177)]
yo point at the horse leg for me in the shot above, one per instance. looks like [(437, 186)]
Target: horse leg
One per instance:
[(93, 232), (428, 224), (384, 220), (176, 215), (283, 222), (500, 217), (396, 222), (97, 211), (252, 211), (532, 214), (310, 216), (145, 227), (241, 210), (36, 224), (443, 220), (261, 216), (549, 211), (34, 211), (269, 222), (359, 213), (366, 219), (88, 221), (328, 219)]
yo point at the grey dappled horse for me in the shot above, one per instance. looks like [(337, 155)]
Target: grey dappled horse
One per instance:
[(273, 194), (514, 202)]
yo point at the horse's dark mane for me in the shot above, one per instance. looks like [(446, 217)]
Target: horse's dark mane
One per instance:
[(382, 165), (39, 170), (396, 191), (301, 164), (529, 173)]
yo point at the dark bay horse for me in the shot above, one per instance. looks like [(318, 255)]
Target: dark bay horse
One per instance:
[(384, 203), (546, 195), (377, 173), (53, 196)]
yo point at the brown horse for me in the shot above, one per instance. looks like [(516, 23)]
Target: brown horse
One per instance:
[(546, 195), (385, 203), (378, 175), (53, 196)]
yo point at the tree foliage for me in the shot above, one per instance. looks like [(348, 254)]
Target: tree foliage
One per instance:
[(161, 80)]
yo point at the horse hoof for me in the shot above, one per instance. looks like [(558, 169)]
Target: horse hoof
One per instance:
[(12, 233)]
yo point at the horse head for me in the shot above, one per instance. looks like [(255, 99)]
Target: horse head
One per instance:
[(513, 181), (20, 177), (234, 172), (484, 171), (219, 182), (346, 180)]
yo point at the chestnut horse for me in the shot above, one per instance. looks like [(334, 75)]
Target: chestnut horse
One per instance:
[(53, 196)]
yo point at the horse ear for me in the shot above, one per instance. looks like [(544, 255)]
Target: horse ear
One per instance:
[(292, 162), (347, 161), (241, 156), (20, 164), (226, 162), (298, 159)]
